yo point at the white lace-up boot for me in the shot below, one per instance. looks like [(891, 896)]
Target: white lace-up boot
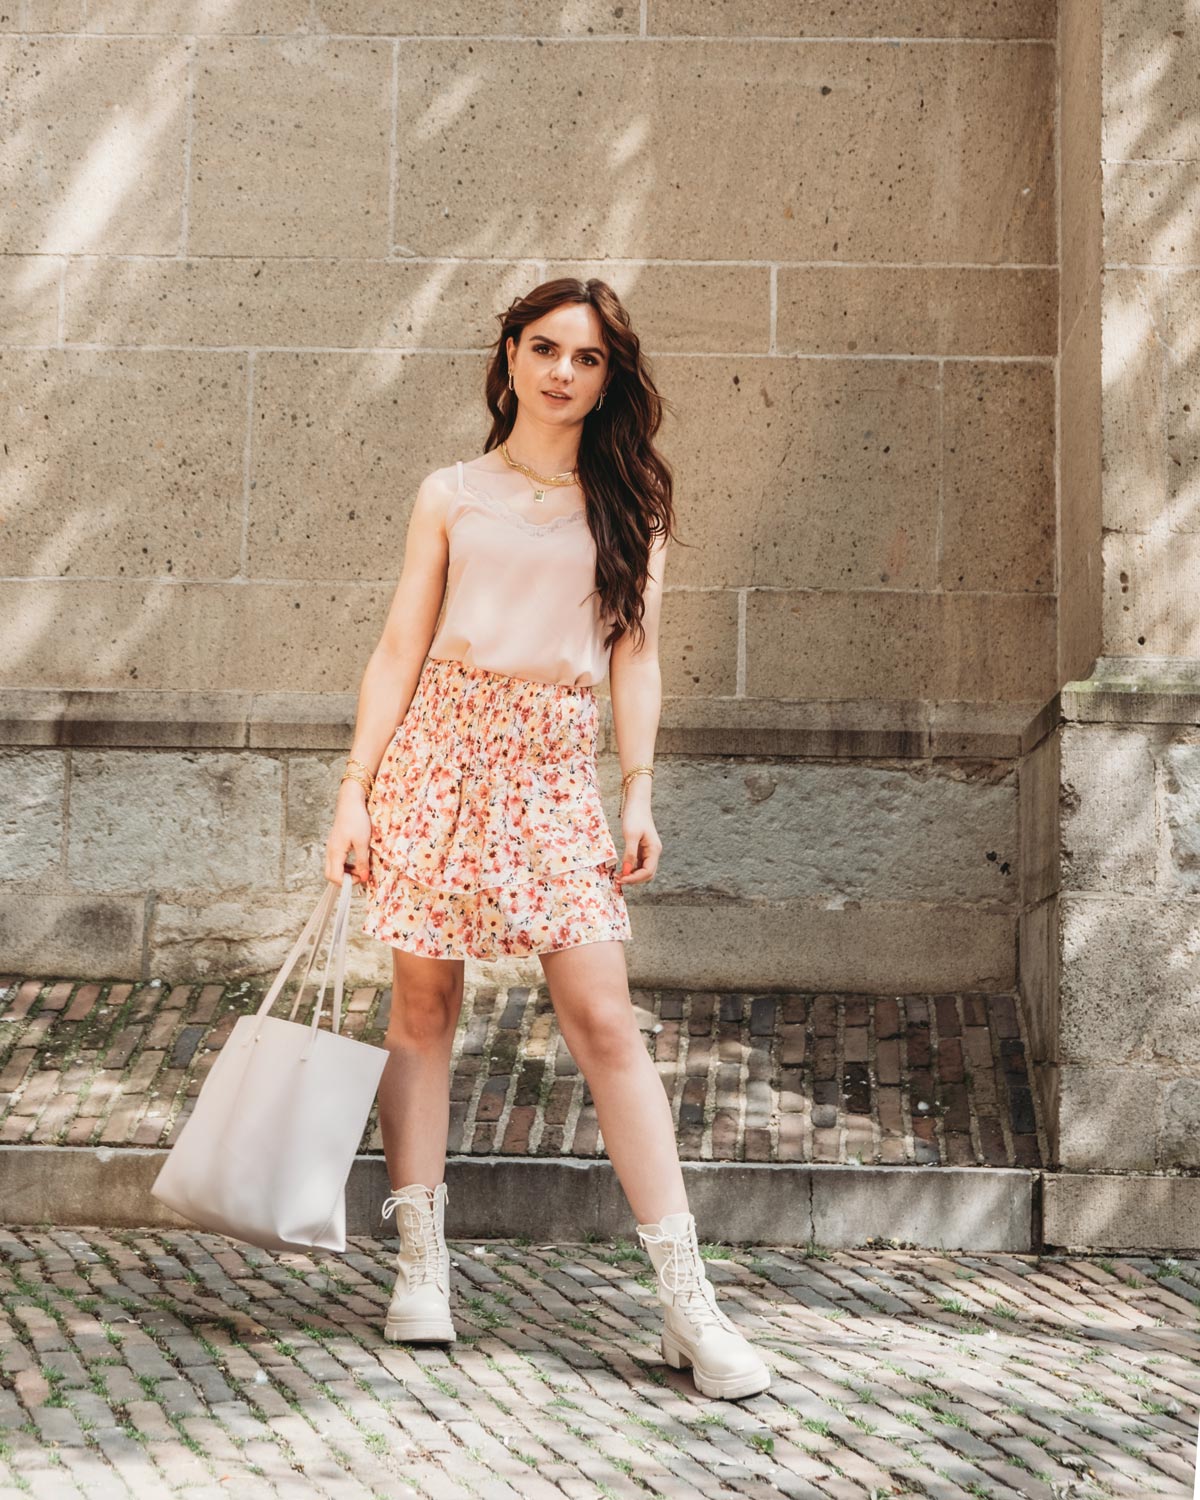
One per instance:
[(695, 1330), (420, 1304)]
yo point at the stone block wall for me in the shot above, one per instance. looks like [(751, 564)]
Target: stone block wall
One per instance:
[(1129, 936), (247, 284), (248, 277), (794, 859), (1109, 946)]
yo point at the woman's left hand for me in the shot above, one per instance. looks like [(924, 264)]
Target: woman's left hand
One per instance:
[(642, 847)]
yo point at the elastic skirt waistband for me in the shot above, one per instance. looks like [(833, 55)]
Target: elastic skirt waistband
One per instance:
[(462, 712), (451, 666)]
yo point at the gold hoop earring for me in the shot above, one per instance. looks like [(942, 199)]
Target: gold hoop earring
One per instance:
[(510, 382), (599, 403)]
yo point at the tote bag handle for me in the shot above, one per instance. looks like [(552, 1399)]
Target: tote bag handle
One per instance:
[(314, 930), (336, 951)]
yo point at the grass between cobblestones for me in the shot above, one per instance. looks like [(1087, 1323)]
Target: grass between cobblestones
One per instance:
[(179, 1363)]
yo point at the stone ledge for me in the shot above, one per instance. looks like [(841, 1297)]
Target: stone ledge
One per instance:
[(1127, 1212), (740, 727), (1136, 690), (978, 1209)]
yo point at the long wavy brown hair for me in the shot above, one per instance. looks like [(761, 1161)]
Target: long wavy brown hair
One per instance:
[(627, 484)]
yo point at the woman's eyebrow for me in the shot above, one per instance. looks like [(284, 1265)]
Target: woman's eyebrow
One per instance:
[(588, 349)]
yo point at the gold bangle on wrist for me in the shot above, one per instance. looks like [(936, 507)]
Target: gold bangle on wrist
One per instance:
[(356, 771), (628, 777)]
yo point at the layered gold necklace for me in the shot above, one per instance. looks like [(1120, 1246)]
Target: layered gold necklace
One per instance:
[(541, 482)]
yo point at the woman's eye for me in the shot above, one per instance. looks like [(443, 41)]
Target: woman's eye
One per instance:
[(545, 349)]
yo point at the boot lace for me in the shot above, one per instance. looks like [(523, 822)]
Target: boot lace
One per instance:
[(683, 1274), (418, 1233)]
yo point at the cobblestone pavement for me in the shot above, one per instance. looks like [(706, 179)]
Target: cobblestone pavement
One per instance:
[(792, 1078), (175, 1363)]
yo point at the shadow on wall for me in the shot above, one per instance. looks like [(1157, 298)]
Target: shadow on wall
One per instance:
[(253, 277)]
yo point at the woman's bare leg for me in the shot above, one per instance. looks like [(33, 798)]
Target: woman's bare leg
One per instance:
[(589, 989), (414, 1091)]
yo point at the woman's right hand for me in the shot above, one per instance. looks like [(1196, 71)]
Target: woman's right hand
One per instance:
[(349, 839)]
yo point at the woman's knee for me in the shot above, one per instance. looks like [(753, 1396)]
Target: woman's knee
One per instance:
[(604, 1037), (424, 1013)]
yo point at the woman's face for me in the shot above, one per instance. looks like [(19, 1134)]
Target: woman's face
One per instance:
[(562, 351)]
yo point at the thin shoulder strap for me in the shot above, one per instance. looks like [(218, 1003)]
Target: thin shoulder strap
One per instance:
[(458, 465)]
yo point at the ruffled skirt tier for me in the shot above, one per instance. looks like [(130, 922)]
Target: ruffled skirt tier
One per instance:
[(488, 836)]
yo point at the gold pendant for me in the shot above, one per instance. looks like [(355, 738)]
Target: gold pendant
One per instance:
[(539, 494)]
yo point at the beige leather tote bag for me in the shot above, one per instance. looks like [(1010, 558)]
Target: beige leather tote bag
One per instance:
[(265, 1154)]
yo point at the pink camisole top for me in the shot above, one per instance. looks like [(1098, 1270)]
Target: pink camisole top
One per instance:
[(520, 594)]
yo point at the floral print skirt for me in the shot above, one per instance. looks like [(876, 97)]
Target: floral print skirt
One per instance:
[(488, 837)]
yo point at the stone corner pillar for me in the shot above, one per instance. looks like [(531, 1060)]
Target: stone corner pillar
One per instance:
[(1128, 918)]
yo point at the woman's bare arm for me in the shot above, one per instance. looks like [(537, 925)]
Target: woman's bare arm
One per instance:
[(635, 686), (390, 677)]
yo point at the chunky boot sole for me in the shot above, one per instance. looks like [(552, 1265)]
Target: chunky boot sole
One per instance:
[(419, 1331), (730, 1387)]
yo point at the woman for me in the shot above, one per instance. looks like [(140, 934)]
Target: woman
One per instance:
[(476, 825)]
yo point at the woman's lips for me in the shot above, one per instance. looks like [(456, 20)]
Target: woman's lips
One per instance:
[(554, 396)]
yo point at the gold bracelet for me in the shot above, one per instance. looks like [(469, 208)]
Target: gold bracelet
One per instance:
[(364, 780), (627, 778)]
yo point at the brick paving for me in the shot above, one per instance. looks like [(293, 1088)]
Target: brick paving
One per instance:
[(160, 1364), (763, 1078)]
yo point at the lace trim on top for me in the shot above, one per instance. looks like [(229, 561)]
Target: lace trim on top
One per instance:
[(503, 509)]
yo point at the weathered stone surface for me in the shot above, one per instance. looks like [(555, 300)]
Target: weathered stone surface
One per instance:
[(1104, 1211), (1180, 1145), (285, 302), (1108, 1119), (1151, 583), (289, 146), (1107, 810), (841, 832), (45, 931), (699, 654), (1136, 231), (1026, 19), (805, 197), (235, 636), (889, 644), (1038, 779), (251, 936), (583, 18), (32, 783), (1182, 375), (825, 729), (195, 821), (312, 789), (998, 512), (961, 1206), (1040, 979), (146, 452), (814, 474), (836, 943), (333, 489), (1142, 41), (1181, 817), (108, 179), (1130, 981), (960, 310), (1136, 460), (683, 307), (1079, 636)]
